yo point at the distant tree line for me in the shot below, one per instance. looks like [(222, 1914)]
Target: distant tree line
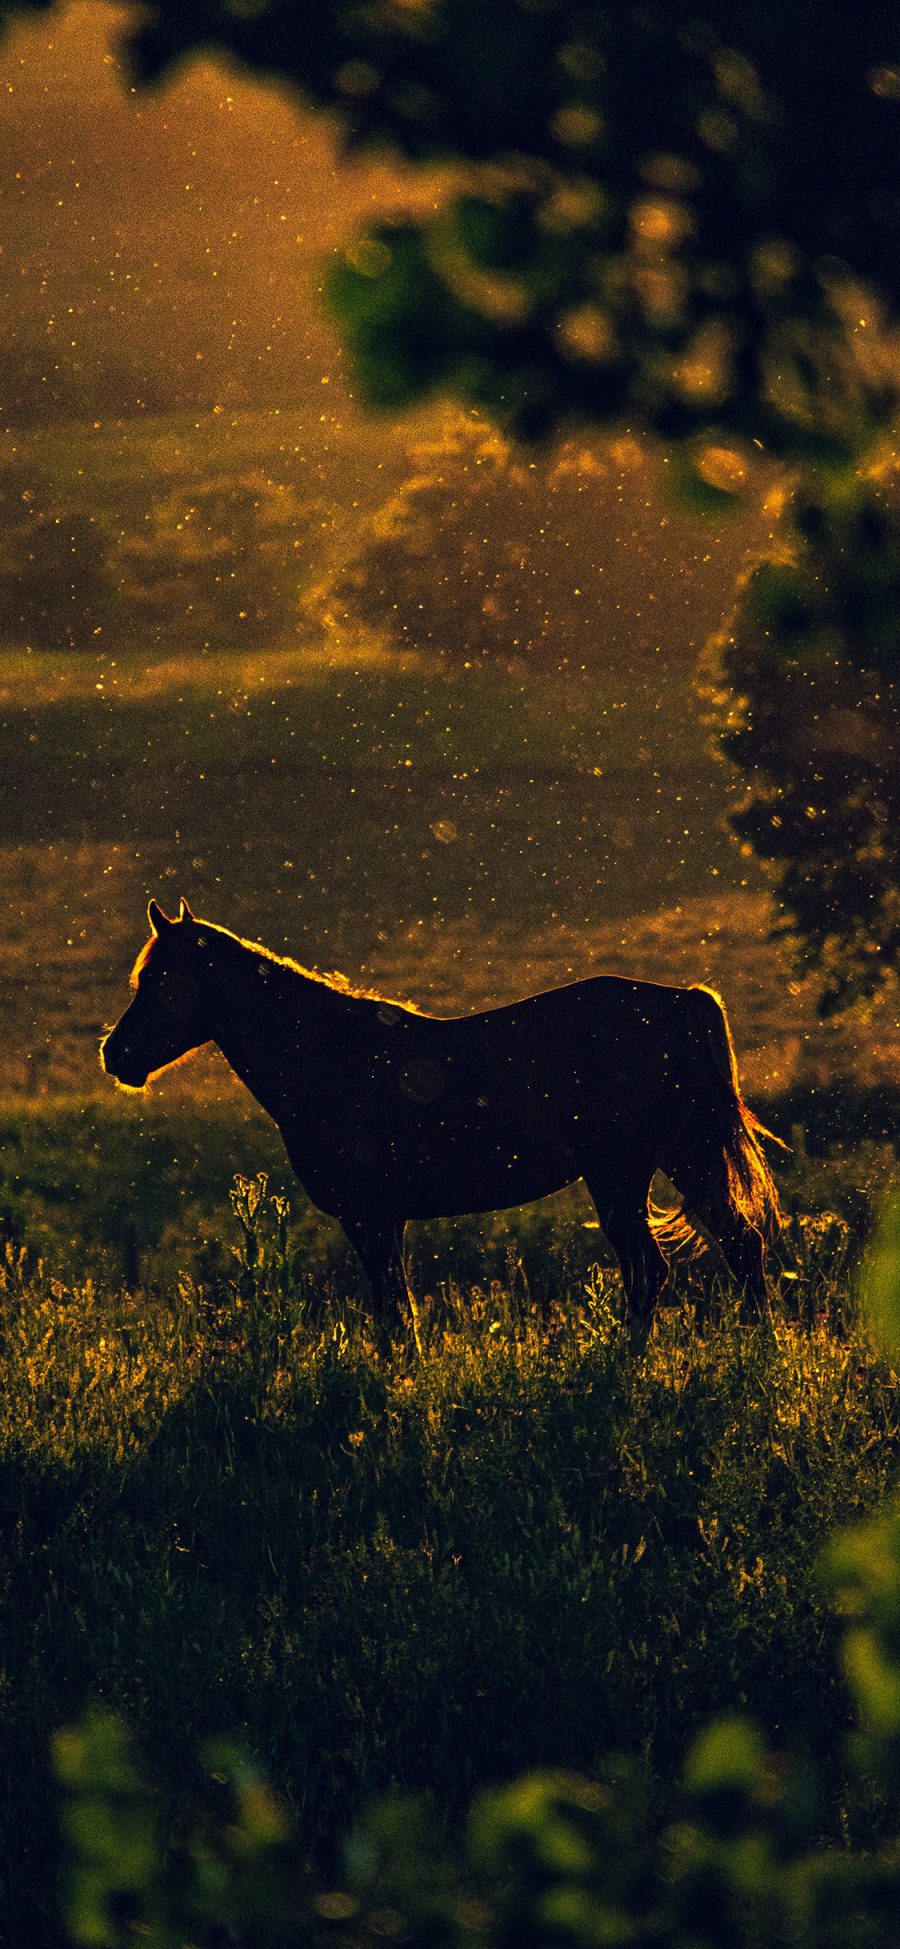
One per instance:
[(485, 552), (218, 564)]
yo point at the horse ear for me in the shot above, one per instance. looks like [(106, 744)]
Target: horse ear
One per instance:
[(158, 920), (185, 912)]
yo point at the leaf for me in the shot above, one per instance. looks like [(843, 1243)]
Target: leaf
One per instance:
[(881, 1278), (727, 1757)]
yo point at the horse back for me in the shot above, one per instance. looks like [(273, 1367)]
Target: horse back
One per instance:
[(625, 1021)]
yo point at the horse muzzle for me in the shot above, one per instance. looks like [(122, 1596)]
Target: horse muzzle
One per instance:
[(122, 1067)]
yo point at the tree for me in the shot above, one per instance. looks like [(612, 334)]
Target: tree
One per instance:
[(665, 211), (471, 558), (803, 686), (491, 551), (221, 562)]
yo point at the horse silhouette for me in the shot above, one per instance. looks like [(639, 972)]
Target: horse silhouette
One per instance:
[(389, 1114)]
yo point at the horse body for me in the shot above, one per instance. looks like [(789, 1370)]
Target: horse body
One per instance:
[(388, 1114)]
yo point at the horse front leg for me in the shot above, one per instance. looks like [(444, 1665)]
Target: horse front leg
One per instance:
[(378, 1244)]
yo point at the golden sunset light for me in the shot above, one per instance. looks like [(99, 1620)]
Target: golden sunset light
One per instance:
[(450, 1066)]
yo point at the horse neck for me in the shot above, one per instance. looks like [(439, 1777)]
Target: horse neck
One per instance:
[(265, 1018)]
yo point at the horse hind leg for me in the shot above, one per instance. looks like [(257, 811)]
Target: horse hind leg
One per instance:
[(704, 1186), (744, 1254), (378, 1245), (625, 1221)]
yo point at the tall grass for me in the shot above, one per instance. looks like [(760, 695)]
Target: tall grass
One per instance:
[(225, 1510)]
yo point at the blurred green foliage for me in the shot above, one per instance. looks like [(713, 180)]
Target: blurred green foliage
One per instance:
[(803, 686), (883, 1279)]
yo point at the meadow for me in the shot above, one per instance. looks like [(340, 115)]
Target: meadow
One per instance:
[(225, 1512)]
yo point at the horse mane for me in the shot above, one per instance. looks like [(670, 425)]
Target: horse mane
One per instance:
[(334, 980), (338, 983), (142, 960)]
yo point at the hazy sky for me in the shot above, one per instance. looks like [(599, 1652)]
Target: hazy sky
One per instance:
[(173, 232)]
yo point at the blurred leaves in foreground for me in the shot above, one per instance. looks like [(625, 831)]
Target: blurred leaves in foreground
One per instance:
[(645, 215), (551, 1859)]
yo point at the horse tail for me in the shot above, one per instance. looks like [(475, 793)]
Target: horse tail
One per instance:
[(721, 1138)]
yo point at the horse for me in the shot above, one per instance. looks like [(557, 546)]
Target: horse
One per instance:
[(390, 1114)]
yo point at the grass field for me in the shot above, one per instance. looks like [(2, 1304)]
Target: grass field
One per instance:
[(224, 1511), (453, 885)]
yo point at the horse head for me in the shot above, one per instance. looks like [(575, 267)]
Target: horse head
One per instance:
[(169, 1015)]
